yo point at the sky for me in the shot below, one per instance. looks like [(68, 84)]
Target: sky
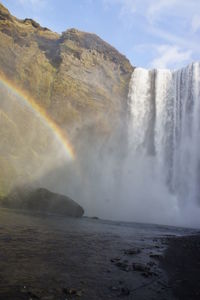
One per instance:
[(150, 33)]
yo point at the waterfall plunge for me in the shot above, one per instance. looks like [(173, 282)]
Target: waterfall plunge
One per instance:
[(164, 135), (157, 181)]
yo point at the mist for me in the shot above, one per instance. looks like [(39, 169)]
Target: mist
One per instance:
[(137, 173), (132, 191), (151, 175)]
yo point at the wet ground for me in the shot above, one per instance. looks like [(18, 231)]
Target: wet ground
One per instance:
[(182, 263), (52, 257)]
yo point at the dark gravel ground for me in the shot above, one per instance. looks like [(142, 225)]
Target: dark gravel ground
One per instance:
[(54, 258), (182, 263)]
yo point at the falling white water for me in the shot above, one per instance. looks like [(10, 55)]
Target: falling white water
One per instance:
[(158, 179), (165, 125)]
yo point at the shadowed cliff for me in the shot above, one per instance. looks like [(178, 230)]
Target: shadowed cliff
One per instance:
[(42, 201)]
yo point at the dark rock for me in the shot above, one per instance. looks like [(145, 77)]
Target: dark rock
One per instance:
[(145, 274), (140, 267), (148, 274), (116, 259), (43, 201), (151, 263), (114, 288), (123, 265), (32, 296), (132, 251), (73, 292), (34, 24), (108, 271), (156, 256), (124, 291)]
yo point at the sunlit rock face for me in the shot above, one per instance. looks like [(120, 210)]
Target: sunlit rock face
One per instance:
[(165, 125), (77, 78), (72, 75)]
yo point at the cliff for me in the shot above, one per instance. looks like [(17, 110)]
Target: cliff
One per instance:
[(80, 80)]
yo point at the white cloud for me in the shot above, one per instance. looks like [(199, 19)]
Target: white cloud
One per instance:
[(183, 14), (168, 56), (156, 8), (174, 39), (150, 9), (153, 10), (196, 23), (170, 22)]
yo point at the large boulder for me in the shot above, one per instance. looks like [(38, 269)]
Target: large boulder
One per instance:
[(43, 201)]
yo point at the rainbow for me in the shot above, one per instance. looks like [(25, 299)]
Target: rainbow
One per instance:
[(42, 114)]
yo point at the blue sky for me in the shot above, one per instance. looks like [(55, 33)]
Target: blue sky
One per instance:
[(151, 33)]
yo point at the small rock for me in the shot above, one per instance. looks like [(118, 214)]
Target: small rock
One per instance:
[(113, 260), (114, 288), (33, 296), (73, 292), (151, 263), (140, 267), (79, 293), (124, 266), (147, 274), (156, 256), (108, 271), (132, 251), (124, 291)]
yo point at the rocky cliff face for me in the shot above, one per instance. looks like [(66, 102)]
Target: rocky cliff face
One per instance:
[(80, 80)]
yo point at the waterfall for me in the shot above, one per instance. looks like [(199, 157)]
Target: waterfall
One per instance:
[(165, 125)]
